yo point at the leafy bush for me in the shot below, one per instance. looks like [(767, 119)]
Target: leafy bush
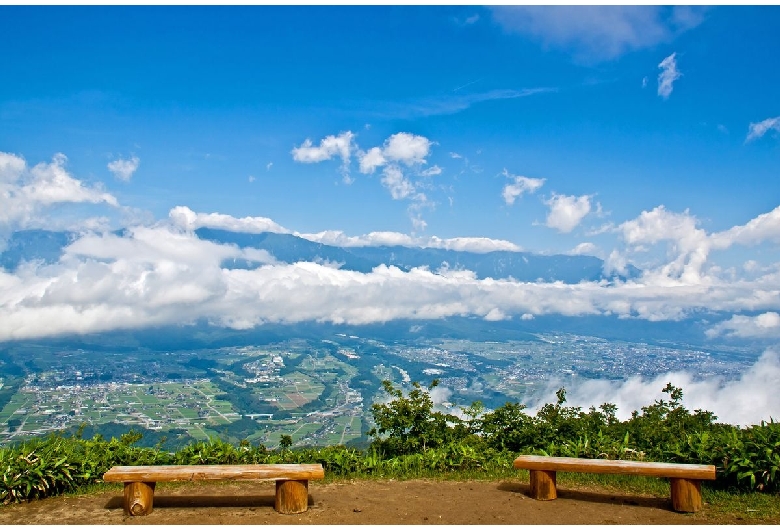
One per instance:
[(411, 424)]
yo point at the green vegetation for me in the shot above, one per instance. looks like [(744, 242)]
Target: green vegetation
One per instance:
[(411, 439)]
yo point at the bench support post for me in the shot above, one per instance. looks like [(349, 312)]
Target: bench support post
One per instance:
[(543, 485), (139, 498), (686, 495), (292, 496)]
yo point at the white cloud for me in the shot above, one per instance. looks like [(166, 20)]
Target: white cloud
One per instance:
[(669, 74), (123, 169), (394, 180), (330, 147), (745, 400), (431, 171), (371, 160), (598, 32), (399, 149), (616, 263), (519, 186), (496, 314), (26, 192), (764, 227), (689, 245), (407, 148), (757, 130), (11, 167), (451, 103), (372, 239), (566, 211), (585, 249), (468, 21), (165, 275), (377, 239), (418, 223), (162, 274), (251, 178), (763, 326), (185, 218)]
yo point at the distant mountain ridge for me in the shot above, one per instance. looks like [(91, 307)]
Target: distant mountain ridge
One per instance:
[(522, 266), (47, 246)]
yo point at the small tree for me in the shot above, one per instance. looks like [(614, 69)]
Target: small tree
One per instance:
[(285, 442), (409, 422)]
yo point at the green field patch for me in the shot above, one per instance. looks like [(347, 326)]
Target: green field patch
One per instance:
[(157, 405)]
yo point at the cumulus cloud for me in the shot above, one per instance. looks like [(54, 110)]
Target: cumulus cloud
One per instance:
[(519, 186), (371, 160), (757, 130), (25, 192), (689, 245), (598, 32), (399, 151), (745, 400), (669, 74), (763, 326), (329, 147), (566, 211), (764, 227), (406, 148), (185, 218), (124, 169)]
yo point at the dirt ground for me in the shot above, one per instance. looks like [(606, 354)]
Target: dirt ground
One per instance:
[(362, 502)]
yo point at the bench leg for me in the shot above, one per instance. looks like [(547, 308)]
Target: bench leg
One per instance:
[(686, 495), (543, 485), (139, 498), (292, 496)]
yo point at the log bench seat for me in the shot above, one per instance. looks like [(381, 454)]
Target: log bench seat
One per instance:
[(292, 482), (685, 478)]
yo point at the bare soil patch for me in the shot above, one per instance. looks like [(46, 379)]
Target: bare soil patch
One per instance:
[(371, 502)]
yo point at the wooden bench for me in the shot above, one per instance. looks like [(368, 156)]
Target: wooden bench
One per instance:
[(685, 478), (292, 482)]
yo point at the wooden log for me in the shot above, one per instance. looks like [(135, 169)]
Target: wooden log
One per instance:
[(543, 485), (686, 495), (627, 467), (214, 472), (139, 498), (292, 496)]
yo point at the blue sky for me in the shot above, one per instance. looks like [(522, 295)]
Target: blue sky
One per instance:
[(206, 97), (642, 135)]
